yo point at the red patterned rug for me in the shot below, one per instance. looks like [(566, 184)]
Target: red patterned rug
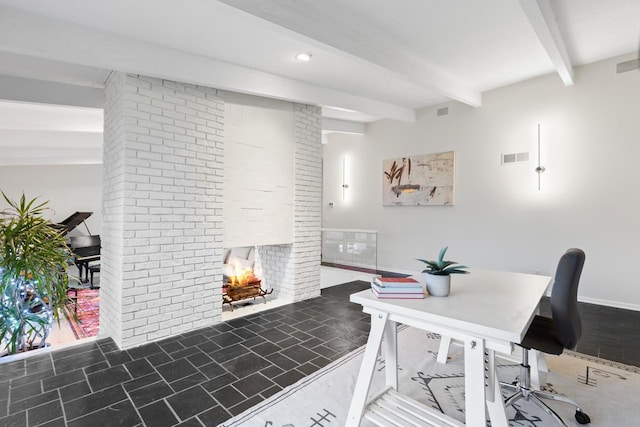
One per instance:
[(88, 312)]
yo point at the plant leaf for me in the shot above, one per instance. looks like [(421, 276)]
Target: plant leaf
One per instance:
[(442, 267), (442, 252), (33, 252)]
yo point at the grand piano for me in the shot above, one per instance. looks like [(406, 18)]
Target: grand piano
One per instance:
[(85, 249)]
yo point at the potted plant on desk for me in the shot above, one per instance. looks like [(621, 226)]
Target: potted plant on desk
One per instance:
[(33, 277), (439, 274)]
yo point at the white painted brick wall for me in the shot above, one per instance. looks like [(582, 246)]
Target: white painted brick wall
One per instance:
[(111, 274), (305, 252), (274, 267), (163, 208), (293, 270)]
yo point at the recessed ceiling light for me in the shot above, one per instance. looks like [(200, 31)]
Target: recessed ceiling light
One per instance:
[(303, 57)]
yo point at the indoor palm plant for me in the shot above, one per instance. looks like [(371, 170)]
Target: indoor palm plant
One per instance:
[(438, 274), (33, 278)]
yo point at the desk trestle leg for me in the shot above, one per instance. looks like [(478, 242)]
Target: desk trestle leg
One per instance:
[(495, 404), (359, 399), (474, 382), (391, 354)]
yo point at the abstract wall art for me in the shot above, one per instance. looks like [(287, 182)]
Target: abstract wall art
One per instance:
[(424, 180)]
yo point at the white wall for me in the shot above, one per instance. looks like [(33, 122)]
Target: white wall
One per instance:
[(258, 184), (69, 188), (589, 199)]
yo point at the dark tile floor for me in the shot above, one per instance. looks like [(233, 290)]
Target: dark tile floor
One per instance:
[(200, 378), (206, 376)]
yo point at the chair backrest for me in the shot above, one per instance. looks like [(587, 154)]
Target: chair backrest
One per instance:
[(564, 298)]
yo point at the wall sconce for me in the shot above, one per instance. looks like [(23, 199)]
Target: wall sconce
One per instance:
[(540, 168), (344, 177)]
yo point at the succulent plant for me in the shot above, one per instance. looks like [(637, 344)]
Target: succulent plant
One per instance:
[(442, 267)]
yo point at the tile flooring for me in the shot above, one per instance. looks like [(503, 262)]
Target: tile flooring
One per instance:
[(206, 376), (200, 378)]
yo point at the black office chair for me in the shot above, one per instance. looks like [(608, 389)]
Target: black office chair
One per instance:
[(553, 335)]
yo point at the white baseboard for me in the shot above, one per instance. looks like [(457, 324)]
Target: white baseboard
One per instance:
[(331, 276), (608, 303)]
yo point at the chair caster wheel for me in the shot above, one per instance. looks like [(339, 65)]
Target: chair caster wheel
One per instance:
[(582, 418)]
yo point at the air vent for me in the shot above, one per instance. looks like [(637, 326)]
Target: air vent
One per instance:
[(442, 111), (508, 158), (623, 67), (515, 158)]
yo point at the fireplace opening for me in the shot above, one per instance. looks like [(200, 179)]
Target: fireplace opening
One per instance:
[(240, 281), (238, 266)]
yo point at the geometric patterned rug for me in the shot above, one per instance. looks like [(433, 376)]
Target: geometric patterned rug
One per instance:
[(88, 312), (607, 391)]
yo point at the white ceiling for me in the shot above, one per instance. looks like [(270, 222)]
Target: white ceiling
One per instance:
[(372, 59), (38, 134)]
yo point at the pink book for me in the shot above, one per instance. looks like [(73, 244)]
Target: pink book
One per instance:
[(417, 295), (396, 281)]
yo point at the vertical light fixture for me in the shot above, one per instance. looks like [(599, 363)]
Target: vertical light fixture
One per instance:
[(344, 177), (540, 168)]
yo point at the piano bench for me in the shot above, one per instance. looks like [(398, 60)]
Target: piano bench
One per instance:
[(93, 269)]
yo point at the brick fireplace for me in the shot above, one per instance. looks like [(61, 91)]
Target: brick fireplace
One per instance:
[(166, 217)]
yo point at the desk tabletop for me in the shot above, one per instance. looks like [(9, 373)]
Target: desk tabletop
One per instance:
[(491, 304)]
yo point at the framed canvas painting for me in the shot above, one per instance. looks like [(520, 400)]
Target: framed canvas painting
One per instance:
[(424, 180)]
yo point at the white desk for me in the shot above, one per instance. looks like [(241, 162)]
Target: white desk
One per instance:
[(487, 310)]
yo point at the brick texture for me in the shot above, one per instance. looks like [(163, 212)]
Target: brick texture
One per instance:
[(164, 157), (112, 208), (275, 268), (307, 193), (293, 270), (162, 210)]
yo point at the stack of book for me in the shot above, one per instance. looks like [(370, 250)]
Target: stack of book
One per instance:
[(396, 287)]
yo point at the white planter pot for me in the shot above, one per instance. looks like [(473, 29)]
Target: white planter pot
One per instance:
[(438, 286)]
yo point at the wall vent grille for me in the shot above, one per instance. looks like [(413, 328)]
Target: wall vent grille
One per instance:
[(442, 111), (623, 67), (514, 158)]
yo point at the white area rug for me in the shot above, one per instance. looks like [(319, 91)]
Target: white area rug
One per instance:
[(607, 391)]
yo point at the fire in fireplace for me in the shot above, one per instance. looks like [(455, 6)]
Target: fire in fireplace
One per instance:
[(238, 265), (240, 282), (241, 275)]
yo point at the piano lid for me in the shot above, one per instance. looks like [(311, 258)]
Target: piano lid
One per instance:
[(73, 221)]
